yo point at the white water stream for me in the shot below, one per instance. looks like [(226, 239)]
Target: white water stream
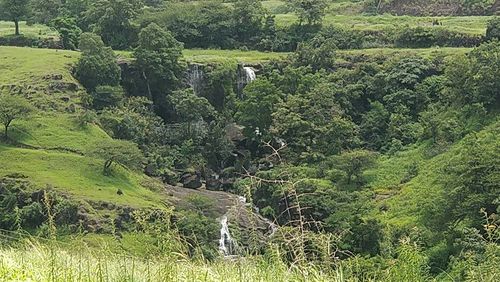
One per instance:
[(226, 242), (250, 74)]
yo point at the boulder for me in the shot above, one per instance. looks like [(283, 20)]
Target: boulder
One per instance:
[(213, 184), (192, 181)]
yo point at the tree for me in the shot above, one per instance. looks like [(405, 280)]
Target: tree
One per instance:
[(44, 11), (313, 124), (133, 120), (353, 163), (122, 152), (15, 10), (97, 64), (12, 108), (158, 57), (317, 54), (112, 20), (256, 109), (311, 11), (190, 108), (248, 16), (68, 31), (493, 29), (106, 96), (374, 126), (474, 79)]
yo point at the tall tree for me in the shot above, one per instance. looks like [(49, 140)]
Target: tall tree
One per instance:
[(158, 57), (44, 11), (97, 64), (14, 10), (248, 16), (112, 20), (256, 109)]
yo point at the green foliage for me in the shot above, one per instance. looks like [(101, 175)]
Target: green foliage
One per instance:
[(256, 109), (158, 57), (133, 120), (313, 124), (44, 11), (97, 64), (14, 10), (474, 179), (189, 107), (13, 108), (353, 163), (493, 29), (316, 53), (374, 126), (411, 264), (106, 96), (68, 31), (473, 79), (113, 21), (199, 231), (248, 17), (425, 37), (122, 152), (310, 11)]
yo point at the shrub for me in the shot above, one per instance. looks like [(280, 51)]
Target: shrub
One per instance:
[(493, 29), (424, 37), (30, 41)]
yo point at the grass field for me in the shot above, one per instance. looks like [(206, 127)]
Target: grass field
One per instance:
[(207, 56), (41, 263), (35, 30), (20, 64), (391, 52), (469, 25)]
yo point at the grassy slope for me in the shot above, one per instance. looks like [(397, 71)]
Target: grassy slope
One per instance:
[(405, 202), (51, 132)]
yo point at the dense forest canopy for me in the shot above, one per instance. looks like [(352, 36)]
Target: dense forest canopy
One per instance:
[(342, 155)]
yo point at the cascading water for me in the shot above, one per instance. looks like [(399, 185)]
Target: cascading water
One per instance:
[(250, 74), (245, 76), (226, 242), (195, 78)]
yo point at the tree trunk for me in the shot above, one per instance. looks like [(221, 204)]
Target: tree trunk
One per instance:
[(16, 22), (150, 96), (7, 129)]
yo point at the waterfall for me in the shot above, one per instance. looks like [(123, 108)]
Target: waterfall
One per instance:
[(195, 78), (250, 74), (226, 242), (245, 76)]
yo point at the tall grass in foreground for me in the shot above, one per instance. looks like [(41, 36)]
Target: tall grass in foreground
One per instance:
[(36, 262)]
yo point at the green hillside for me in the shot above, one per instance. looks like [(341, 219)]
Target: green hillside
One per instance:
[(49, 147), (248, 140)]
